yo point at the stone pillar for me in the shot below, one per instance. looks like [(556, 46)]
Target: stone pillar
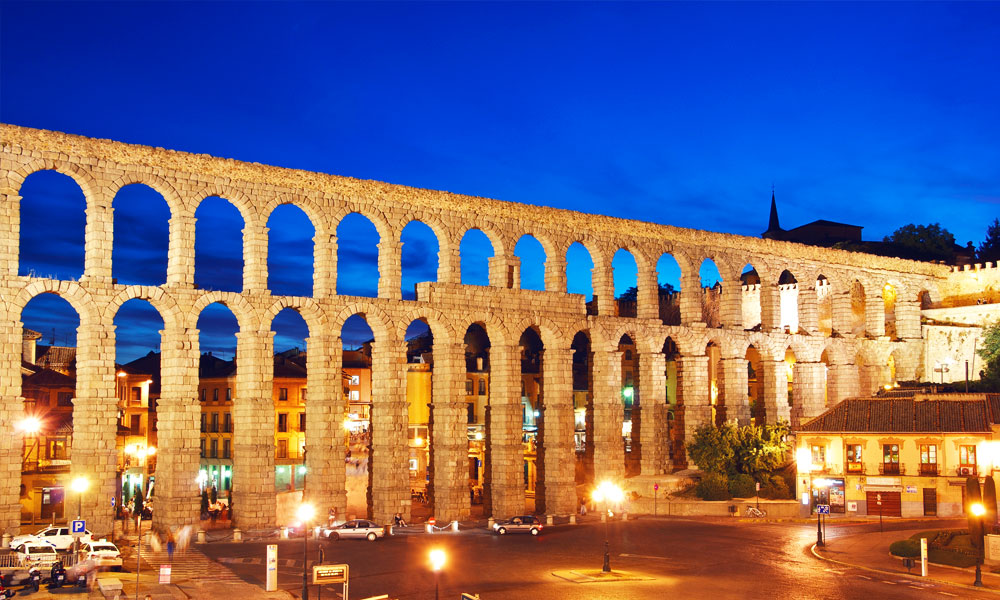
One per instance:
[(505, 462), (556, 453), (255, 259), (390, 270), (841, 309), (95, 422), (648, 295), (871, 378), (907, 319), (326, 481), (808, 391), (449, 263), (604, 290), (11, 411), (731, 309), (695, 403), (875, 315), (775, 391), (808, 309), (690, 298), (555, 274), (324, 265), (388, 465), (10, 214), (98, 239), (734, 402), (178, 415), (842, 383), (505, 272), (253, 431), (609, 450), (770, 307), (653, 388), (180, 254), (448, 432)]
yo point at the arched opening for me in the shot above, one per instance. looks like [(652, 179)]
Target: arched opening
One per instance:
[(755, 386), (223, 422), (629, 398), (532, 427), (418, 257), (475, 251), (889, 304), (714, 353), (925, 300), (137, 389), (711, 293), (48, 386), (857, 309), (794, 412), (583, 407), (420, 421), (52, 227), (290, 383), (668, 277), (788, 298), (825, 360), (477, 398), (675, 409), (290, 252), (750, 305), (532, 256), (141, 236), (357, 257), (824, 306), (218, 246), (356, 375), (625, 273), (580, 274)]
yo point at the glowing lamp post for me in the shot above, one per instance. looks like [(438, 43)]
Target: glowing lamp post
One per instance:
[(30, 426), (79, 485), (438, 558), (608, 493), (978, 510), (305, 514)]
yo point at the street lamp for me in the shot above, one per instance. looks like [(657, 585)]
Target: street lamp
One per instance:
[(978, 510), (30, 426), (608, 493), (79, 485), (305, 514), (438, 558)]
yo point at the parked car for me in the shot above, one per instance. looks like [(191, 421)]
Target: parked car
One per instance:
[(58, 536), (355, 529), (521, 524), (102, 553), (36, 554)]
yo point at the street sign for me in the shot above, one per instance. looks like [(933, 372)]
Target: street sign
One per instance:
[(165, 574), (758, 486), (656, 487), (823, 509), (78, 526), (323, 574), (112, 501)]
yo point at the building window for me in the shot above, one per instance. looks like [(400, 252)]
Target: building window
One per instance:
[(204, 420), (135, 424), (214, 452), (202, 454), (854, 464), (282, 422), (202, 394), (628, 355), (227, 423), (136, 395), (967, 460), (819, 457), (470, 412), (65, 398), (283, 394), (355, 380), (304, 390), (302, 421), (229, 394), (928, 459), (225, 449), (354, 396), (215, 394), (215, 422), (469, 387), (282, 448), (890, 459), (43, 398), (56, 449), (482, 386), (522, 388)]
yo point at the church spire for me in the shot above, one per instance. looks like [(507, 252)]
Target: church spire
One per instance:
[(773, 227)]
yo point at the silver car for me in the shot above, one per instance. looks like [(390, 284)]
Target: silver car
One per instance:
[(521, 524), (59, 537), (355, 529)]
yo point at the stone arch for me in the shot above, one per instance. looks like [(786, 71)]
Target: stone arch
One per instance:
[(536, 267), (857, 297), (378, 320), (550, 334), (175, 203), (163, 302), (245, 313), (710, 295), (83, 178), (751, 302), (71, 291), (565, 249), (788, 302), (469, 259), (310, 311), (234, 196), (307, 205), (442, 330)]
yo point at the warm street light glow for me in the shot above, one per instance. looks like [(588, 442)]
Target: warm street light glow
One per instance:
[(977, 509), (419, 441), (121, 373), (479, 435), (609, 492), (803, 459), (306, 513), (438, 558), (347, 424), (80, 484), (30, 425)]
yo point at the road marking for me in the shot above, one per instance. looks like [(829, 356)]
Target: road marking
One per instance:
[(889, 582), (946, 594), (865, 577), (644, 556)]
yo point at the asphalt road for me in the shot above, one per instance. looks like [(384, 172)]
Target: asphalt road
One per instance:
[(684, 558)]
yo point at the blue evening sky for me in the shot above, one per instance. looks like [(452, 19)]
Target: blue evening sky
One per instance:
[(875, 114)]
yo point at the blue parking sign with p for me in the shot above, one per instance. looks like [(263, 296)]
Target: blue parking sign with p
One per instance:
[(78, 526)]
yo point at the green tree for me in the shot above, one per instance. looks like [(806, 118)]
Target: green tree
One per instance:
[(665, 289), (923, 242), (990, 352), (712, 448), (989, 250), (732, 449), (137, 507)]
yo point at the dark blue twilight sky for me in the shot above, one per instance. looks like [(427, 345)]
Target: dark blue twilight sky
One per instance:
[(873, 114)]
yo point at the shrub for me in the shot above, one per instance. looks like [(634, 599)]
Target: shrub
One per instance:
[(905, 548), (742, 486), (775, 488), (713, 486)]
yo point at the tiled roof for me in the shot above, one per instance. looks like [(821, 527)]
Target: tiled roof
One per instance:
[(895, 415)]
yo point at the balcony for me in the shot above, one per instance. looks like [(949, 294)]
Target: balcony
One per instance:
[(855, 467), (891, 469), (929, 469)]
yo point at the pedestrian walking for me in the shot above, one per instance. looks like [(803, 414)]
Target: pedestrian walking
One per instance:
[(171, 544), (583, 508)]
